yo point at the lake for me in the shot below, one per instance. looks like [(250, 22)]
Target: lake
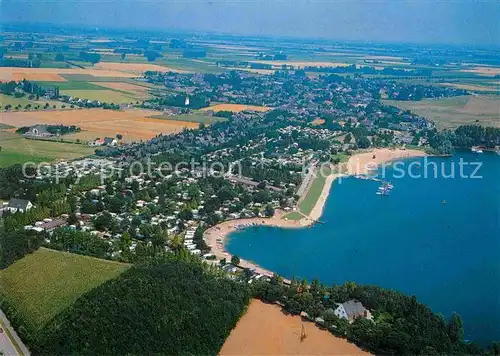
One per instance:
[(436, 238)]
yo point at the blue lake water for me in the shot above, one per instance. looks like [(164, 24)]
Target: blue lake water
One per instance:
[(435, 238)]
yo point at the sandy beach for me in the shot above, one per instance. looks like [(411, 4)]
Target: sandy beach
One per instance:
[(216, 236), (317, 211), (362, 163)]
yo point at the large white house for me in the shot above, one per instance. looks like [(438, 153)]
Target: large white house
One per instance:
[(351, 310), (18, 205)]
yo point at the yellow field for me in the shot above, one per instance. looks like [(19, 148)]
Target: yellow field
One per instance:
[(486, 71), (236, 108), (129, 123), (265, 330), (473, 87), (54, 74), (135, 68)]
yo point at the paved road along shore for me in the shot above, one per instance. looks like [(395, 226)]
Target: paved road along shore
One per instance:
[(10, 343)]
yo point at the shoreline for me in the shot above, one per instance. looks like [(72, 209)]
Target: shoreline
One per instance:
[(359, 164)]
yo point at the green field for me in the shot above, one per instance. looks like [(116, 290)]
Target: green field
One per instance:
[(455, 111), (71, 85), (104, 95), (306, 205), (8, 99), (342, 157), (41, 285), (18, 150), (5, 126), (294, 215)]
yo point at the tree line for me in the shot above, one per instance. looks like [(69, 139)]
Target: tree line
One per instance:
[(171, 306)]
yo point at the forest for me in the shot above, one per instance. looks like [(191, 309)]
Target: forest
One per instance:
[(464, 136), (15, 245), (171, 306)]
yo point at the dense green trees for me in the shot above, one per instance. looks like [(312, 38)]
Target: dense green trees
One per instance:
[(235, 260), (90, 57), (18, 220), (79, 242), (15, 245), (176, 306), (464, 136), (475, 135)]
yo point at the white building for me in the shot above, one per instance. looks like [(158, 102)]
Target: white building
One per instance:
[(351, 310), (18, 205)]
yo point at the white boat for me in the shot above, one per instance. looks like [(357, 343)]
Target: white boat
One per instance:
[(479, 151), (379, 193)]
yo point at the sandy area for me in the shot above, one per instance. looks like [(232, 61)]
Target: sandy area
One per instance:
[(266, 330), (216, 236), (133, 123), (317, 211), (317, 122), (364, 162), (236, 108)]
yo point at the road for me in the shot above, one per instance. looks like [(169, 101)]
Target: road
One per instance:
[(10, 342)]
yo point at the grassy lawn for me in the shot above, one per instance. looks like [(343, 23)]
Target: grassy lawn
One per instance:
[(16, 149), (105, 95), (342, 156), (306, 205), (7, 99), (455, 111), (195, 116), (72, 85), (294, 215), (190, 65), (43, 284)]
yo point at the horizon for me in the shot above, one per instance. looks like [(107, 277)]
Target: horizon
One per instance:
[(450, 23)]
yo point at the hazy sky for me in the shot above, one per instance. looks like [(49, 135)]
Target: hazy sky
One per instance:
[(445, 21)]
